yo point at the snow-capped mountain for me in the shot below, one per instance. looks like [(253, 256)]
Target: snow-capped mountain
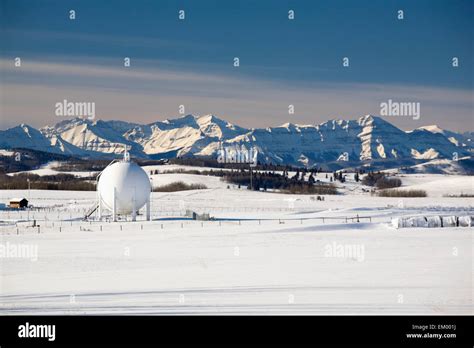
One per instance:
[(24, 136), (366, 139), (93, 137), (463, 140)]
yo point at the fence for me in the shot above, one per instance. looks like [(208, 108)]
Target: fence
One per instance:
[(47, 226)]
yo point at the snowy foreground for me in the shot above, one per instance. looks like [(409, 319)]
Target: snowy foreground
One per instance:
[(265, 253)]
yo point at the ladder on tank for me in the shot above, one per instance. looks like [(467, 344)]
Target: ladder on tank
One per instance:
[(91, 211), (96, 205)]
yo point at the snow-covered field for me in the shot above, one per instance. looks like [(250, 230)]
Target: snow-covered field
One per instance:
[(438, 185), (49, 169), (265, 253)]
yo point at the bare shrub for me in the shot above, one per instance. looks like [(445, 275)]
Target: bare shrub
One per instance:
[(402, 193), (462, 195), (46, 182), (381, 181), (385, 183), (320, 189), (179, 186)]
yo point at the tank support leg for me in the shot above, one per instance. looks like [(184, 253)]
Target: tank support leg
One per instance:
[(114, 210), (148, 209), (99, 202), (134, 209)]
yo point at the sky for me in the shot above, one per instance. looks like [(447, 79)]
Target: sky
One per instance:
[(283, 62)]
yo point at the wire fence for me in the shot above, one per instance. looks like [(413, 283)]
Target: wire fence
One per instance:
[(177, 222), (64, 219), (62, 213)]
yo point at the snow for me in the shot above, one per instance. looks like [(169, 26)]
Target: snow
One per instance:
[(381, 151), (433, 128), (466, 221), (455, 138), (428, 154), (48, 169), (211, 182), (438, 185), (6, 153), (266, 253), (433, 221)]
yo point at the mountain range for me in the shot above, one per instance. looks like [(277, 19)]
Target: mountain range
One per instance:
[(367, 139)]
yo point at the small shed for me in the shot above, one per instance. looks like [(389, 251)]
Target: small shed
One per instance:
[(18, 203)]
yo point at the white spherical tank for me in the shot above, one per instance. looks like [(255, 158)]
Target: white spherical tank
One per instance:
[(131, 184)]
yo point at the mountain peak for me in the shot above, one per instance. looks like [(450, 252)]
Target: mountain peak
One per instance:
[(25, 126), (70, 122), (367, 119), (375, 121), (213, 126), (209, 118), (188, 116), (434, 128), (289, 126), (182, 121)]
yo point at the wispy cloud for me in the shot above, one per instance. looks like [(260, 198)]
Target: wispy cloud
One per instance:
[(152, 90)]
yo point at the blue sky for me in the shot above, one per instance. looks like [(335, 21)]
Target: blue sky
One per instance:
[(282, 62)]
